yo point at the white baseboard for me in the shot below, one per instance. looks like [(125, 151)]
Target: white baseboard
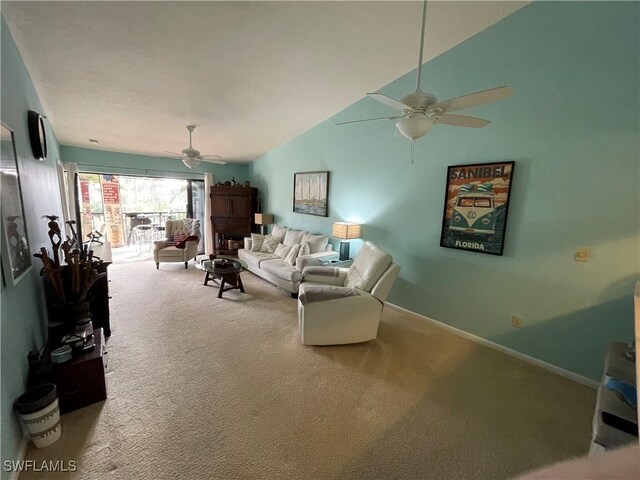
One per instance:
[(501, 348), (22, 453)]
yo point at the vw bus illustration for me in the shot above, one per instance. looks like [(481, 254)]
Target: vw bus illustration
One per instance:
[(474, 210)]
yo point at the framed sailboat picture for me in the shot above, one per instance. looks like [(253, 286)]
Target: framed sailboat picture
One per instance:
[(310, 193)]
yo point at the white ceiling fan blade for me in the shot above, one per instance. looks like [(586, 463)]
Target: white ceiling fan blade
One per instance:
[(389, 102), (207, 157), (211, 160), (463, 121), (368, 120), (173, 153), (190, 162), (474, 99)]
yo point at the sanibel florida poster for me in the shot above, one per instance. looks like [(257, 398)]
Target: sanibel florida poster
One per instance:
[(475, 207)]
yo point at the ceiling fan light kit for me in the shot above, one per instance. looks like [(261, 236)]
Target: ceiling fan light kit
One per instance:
[(420, 111), (415, 127)]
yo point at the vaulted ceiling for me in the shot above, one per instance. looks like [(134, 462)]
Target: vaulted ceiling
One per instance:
[(250, 75)]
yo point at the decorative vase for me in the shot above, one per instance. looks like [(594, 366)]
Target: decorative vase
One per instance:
[(69, 313)]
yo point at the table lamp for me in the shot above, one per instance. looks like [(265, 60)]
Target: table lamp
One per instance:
[(345, 231), (263, 219)]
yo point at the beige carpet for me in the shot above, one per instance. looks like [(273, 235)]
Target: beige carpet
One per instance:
[(132, 253), (201, 387)]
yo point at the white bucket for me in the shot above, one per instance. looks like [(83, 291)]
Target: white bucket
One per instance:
[(43, 424)]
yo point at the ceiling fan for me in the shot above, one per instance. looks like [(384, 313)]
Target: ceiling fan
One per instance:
[(192, 158), (420, 111)]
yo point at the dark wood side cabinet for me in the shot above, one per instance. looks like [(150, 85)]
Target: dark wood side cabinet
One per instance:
[(232, 215), (81, 381), (99, 303)]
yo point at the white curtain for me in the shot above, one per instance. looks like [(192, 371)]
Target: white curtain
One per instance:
[(72, 170), (206, 228), (63, 192)]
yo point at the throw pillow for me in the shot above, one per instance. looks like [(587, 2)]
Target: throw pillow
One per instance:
[(175, 239), (269, 244), (195, 228), (304, 249), (292, 237), (256, 242), (317, 243), (188, 224), (279, 232), (292, 255), (282, 250)]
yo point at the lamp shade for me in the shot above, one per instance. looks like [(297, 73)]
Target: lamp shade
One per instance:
[(263, 219), (346, 230)]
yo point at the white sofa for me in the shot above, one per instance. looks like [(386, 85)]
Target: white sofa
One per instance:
[(275, 269), (340, 305)]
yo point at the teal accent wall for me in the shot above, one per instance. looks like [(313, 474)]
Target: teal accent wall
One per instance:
[(22, 306), (572, 127), (102, 161)]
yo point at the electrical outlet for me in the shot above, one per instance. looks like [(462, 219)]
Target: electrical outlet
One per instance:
[(517, 321)]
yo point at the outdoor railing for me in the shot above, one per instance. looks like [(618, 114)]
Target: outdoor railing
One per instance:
[(157, 218)]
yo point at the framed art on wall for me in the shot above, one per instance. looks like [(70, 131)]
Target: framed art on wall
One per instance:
[(16, 260), (476, 206), (311, 193)]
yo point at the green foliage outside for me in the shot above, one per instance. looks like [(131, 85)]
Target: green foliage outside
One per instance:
[(142, 194)]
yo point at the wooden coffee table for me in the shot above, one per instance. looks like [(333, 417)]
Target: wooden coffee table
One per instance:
[(227, 277)]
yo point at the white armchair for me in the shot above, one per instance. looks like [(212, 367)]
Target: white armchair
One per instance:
[(340, 305), (166, 251)]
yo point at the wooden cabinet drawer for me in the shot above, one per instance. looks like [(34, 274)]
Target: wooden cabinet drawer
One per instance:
[(231, 223)]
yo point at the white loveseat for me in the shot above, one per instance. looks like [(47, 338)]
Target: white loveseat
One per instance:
[(278, 270)]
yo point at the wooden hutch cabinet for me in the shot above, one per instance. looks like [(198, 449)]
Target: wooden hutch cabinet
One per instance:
[(232, 216)]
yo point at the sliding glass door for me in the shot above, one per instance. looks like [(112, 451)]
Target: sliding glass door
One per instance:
[(131, 198)]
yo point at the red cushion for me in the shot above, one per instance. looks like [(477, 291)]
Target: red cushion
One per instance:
[(183, 243)]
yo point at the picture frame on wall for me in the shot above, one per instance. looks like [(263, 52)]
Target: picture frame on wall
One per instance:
[(16, 259), (476, 205), (311, 193)]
